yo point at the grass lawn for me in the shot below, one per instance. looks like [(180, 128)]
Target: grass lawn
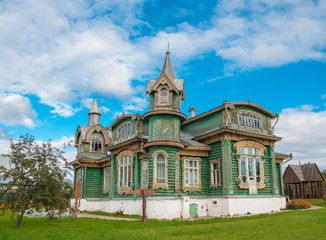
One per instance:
[(112, 214), (299, 225)]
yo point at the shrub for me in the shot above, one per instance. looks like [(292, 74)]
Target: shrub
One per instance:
[(298, 205)]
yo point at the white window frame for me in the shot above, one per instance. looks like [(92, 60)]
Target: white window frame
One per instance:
[(124, 130), (191, 174), (250, 157), (215, 173), (157, 184), (106, 179), (249, 119)]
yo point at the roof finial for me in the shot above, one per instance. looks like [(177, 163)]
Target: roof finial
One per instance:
[(168, 50)]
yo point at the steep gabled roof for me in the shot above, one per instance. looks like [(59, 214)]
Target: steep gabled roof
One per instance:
[(168, 72), (304, 173)]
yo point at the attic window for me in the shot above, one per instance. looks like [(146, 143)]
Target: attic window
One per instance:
[(124, 130), (163, 96), (249, 119)]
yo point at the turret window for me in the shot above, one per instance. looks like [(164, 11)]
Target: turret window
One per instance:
[(96, 144), (124, 130), (249, 119), (163, 96)]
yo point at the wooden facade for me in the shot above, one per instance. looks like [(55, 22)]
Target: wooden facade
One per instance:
[(303, 181), (227, 152)]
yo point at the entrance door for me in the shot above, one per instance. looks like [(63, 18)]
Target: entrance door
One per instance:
[(193, 210)]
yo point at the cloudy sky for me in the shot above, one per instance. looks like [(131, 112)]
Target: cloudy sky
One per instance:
[(57, 55)]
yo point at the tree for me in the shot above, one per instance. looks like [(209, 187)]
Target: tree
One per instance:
[(35, 179), (324, 175)]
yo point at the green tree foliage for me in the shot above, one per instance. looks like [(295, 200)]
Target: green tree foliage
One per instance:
[(35, 179)]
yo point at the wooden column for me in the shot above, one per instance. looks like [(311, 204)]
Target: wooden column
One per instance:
[(112, 180), (273, 175), (301, 191), (227, 164)]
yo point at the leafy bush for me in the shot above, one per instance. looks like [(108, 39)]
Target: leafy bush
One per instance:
[(298, 205)]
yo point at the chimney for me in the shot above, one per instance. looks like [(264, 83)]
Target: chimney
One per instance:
[(192, 112)]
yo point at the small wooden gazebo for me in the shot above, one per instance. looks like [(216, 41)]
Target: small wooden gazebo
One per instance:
[(303, 181)]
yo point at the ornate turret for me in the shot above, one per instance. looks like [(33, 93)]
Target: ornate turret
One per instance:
[(94, 114), (166, 92)]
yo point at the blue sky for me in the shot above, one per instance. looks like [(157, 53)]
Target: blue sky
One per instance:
[(58, 55)]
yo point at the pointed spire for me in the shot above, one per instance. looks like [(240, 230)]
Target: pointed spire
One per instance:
[(94, 114), (94, 108), (167, 67)]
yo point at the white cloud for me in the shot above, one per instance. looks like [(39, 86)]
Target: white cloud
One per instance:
[(136, 104), (16, 110), (304, 134), (63, 51)]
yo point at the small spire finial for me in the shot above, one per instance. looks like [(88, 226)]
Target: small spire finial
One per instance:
[(168, 49)]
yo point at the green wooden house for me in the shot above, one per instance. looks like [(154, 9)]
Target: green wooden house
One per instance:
[(220, 162)]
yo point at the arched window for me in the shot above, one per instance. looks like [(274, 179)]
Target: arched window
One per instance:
[(124, 130), (163, 96), (125, 171), (96, 144), (249, 119), (160, 169), (250, 165)]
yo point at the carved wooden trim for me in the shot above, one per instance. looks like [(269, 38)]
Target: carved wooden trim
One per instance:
[(249, 143), (166, 87), (126, 190), (193, 153), (159, 112), (98, 128), (262, 149), (164, 143)]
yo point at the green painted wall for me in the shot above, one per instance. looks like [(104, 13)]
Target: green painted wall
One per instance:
[(164, 127), (202, 125), (216, 153), (94, 179)]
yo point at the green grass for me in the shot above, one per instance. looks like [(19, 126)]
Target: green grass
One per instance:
[(112, 214), (296, 225)]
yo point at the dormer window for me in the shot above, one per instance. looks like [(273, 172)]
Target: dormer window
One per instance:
[(163, 96), (249, 119), (124, 130), (96, 144)]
